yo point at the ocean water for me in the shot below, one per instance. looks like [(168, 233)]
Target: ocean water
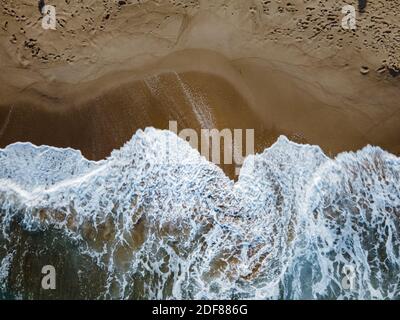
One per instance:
[(156, 220)]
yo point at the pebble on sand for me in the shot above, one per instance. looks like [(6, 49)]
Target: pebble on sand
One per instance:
[(364, 70)]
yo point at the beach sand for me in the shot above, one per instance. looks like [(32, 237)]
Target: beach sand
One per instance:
[(278, 67)]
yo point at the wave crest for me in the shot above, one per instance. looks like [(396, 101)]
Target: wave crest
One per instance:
[(157, 220)]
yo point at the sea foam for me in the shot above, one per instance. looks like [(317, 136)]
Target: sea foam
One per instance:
[(157, 220)]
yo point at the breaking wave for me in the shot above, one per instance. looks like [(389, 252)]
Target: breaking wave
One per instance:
[(157, 221)]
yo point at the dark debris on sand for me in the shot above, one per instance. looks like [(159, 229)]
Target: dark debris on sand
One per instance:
[(41, 5), (362, 4)]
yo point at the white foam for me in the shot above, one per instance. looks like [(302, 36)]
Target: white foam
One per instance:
[(286, 229)]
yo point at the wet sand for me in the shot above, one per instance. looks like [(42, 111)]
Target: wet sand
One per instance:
[(109, 70)]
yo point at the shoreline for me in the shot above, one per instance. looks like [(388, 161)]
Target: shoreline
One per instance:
[(254, 75)]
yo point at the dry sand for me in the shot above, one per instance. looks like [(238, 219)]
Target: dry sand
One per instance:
[(280, 67)]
